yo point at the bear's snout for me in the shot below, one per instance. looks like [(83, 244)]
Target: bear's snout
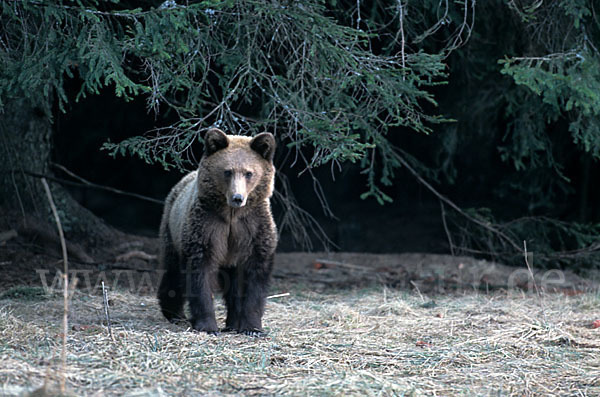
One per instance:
[(237, 200), (237, 193)]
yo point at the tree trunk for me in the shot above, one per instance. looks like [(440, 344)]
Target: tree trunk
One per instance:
[(26, 147)]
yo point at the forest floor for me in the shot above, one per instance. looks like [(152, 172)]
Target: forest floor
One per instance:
[(338, 324)]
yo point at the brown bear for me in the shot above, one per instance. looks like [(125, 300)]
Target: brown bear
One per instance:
[(217, 225)]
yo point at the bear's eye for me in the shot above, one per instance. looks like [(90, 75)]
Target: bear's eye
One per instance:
[(248, 174), (228, 173)]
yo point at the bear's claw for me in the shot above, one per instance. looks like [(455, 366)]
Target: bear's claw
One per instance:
[(255, 333)]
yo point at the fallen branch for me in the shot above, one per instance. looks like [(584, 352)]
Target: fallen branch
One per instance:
[(35, 230), (107, 188), (486, 225), (5, 236)]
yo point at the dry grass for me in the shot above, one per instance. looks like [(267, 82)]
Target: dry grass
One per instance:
[(346, 342)]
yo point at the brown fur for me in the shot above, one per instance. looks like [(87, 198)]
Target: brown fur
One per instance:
[(217, 223)]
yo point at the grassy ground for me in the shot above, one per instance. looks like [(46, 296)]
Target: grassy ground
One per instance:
[(374, 341)]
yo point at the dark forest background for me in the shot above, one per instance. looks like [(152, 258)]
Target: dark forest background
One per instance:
[(414, 126)]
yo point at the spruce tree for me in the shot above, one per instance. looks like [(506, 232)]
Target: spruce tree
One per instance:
[(336, 81)]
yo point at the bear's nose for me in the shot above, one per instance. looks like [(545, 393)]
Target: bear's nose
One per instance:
[(237, 200)]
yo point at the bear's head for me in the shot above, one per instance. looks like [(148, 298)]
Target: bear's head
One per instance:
[(238, 168)]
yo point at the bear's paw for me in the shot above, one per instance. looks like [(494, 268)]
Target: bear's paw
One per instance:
[(206, 325)]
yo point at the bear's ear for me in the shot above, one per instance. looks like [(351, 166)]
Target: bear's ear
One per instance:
[(214, 140), (264, 144)]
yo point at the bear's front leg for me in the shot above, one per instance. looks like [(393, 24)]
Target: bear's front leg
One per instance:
[(230, 284), (200, 277), (256, 275)]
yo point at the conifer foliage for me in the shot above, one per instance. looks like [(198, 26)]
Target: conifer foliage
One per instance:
[(334, 80), (290, 67)]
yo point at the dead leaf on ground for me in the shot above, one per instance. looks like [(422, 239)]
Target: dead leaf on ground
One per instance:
[(421, 343)]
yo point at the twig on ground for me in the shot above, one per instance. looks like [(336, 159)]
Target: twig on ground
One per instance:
[(526, 255), (448, 235), (135, 254), (529, 268), (278, 295), (418, 290), (63, 377), (106, 312), (320, 263)]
